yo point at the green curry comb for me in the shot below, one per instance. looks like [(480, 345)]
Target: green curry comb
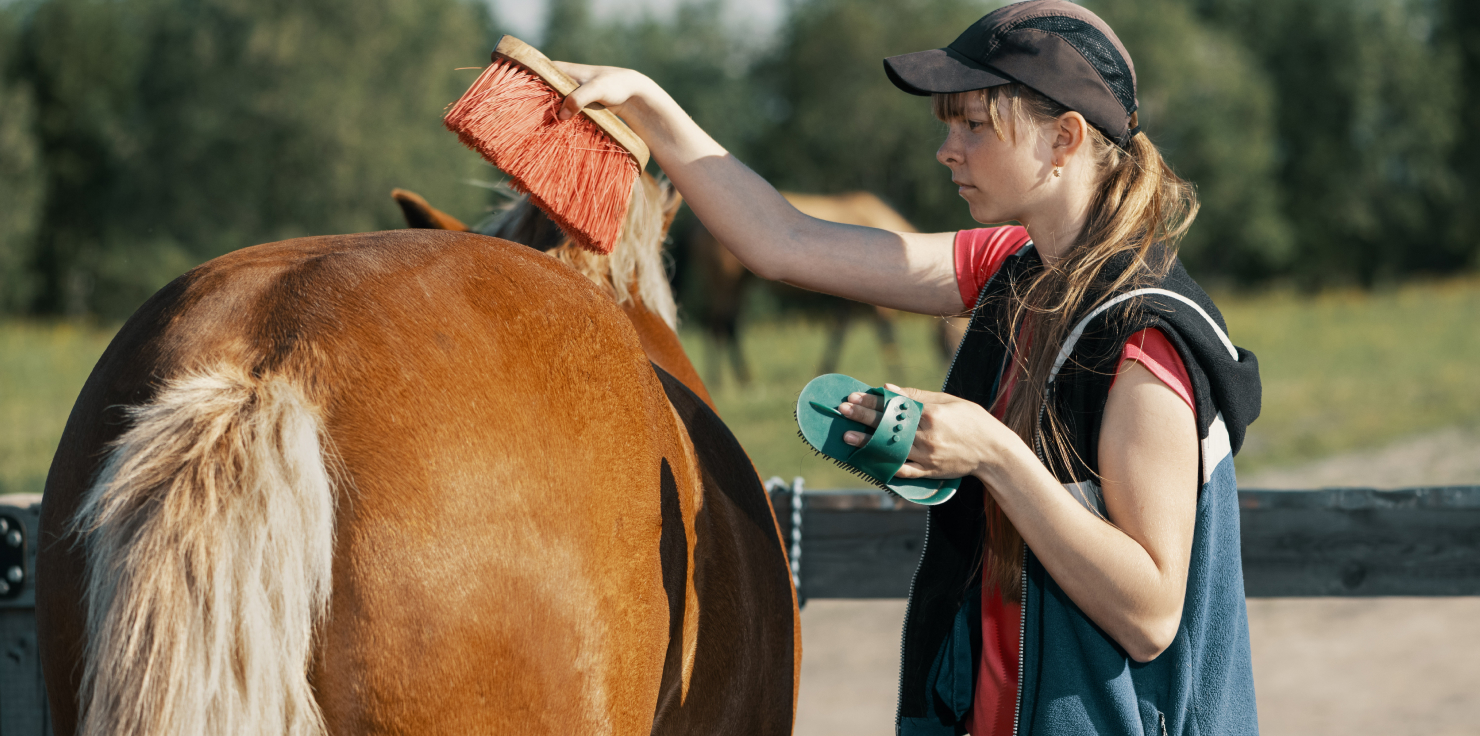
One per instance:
[(822, 426)]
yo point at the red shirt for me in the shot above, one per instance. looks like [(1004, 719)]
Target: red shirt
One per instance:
[(979, 253)]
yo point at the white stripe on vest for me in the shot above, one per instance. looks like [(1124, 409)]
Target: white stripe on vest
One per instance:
[(1214, 448)]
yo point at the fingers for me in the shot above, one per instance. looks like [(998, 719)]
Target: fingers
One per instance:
[(595, 86), (582, 73), (910, 470), (861, 410), (580, 98)]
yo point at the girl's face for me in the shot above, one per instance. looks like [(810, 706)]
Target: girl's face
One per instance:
[(1000, 180)]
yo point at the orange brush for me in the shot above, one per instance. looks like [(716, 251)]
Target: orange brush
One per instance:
[(579, 171)]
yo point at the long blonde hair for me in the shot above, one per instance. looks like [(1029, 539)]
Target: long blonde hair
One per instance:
[(1141, 209)]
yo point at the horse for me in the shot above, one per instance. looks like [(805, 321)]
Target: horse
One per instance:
[(725, 281), (420, 481)]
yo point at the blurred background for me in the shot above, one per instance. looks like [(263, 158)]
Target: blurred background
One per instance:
[(1339, 233)]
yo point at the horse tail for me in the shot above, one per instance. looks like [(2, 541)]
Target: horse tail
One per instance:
[(209, 543)]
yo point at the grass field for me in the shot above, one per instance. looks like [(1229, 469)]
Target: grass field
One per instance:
[(1342, 371), (42, 367)]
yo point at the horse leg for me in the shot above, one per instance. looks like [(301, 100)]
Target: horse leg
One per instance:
[(714, 348), (888, 345), (838, 322), (738, 364), (948, 334)]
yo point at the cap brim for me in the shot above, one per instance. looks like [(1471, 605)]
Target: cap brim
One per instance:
[(940, 71)]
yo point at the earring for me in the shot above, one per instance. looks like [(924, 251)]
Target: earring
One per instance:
[(1056, 168)]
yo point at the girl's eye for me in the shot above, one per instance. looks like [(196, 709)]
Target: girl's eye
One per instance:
[(973, 125)]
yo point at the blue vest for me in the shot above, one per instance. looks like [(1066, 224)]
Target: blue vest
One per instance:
[(1074, 678)]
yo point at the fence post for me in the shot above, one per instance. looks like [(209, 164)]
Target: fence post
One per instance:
[(23, 708)]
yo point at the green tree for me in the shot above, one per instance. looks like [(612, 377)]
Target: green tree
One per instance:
[(21, 180), (840, 125), (1208, 104), (697, 57), (1366, 99), (177, 130), (1460, 29)]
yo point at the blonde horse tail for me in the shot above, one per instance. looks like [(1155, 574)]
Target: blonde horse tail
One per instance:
[(209, 543)]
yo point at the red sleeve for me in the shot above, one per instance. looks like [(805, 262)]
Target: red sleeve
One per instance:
[(980, 252), (1150, 348)]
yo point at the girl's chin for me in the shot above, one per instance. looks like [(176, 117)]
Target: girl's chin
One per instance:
[(985, 215)]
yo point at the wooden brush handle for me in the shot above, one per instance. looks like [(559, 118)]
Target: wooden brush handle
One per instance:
[(530, 58)]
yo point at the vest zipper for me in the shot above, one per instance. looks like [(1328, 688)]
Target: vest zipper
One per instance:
[(909, 601), (1017, 709), (1017, 712), (1038, 449)]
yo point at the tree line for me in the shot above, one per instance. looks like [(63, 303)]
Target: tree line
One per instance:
[(140, 137)]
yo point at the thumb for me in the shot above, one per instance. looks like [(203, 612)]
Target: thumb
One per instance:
[(575, 101)]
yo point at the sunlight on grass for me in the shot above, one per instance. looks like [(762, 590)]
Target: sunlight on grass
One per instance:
[(42, 369), (1353, 370)]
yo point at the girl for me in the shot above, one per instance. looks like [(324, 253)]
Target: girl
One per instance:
[(1086, 577)]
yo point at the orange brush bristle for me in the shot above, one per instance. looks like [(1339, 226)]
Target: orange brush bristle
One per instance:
[(573, 170)]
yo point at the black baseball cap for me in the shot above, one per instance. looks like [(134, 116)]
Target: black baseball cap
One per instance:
[(1059, 49)]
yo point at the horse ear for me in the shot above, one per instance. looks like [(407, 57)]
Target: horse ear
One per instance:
[(672, 200), (421, 215)]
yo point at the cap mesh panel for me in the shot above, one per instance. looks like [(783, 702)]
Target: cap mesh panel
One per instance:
[(1098, 49)]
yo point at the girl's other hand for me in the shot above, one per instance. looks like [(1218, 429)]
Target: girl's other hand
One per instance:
[(955, 438)]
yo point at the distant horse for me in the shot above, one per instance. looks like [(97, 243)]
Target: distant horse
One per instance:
[(406, 482), (725, 281)]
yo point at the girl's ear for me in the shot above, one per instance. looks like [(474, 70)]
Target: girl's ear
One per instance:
[(1070, 132)]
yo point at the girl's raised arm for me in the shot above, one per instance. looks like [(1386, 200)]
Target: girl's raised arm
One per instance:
[(910, 271)]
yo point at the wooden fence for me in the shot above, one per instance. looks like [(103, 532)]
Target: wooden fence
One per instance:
[(22, 695), (1332, 542), (864, 544)]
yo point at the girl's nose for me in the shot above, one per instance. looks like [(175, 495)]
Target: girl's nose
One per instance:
[(949, 152)]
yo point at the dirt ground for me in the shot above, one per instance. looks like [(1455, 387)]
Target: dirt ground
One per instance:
[(1449, 457), (1354, 667)]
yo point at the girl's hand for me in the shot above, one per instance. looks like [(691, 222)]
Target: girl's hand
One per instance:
[(603, 87), (955, 438)]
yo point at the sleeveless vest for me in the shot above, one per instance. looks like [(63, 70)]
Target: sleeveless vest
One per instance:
[(1074, 678)]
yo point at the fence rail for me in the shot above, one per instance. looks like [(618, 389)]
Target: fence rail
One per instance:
[(864, 544), (1332, 542)]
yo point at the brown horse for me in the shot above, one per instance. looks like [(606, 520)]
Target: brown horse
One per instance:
[(405, 482), (725, 281)]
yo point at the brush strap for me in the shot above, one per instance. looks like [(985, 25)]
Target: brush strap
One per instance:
[(886, 451)]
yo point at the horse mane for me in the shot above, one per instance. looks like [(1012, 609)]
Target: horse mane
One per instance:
[(634, 272)]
